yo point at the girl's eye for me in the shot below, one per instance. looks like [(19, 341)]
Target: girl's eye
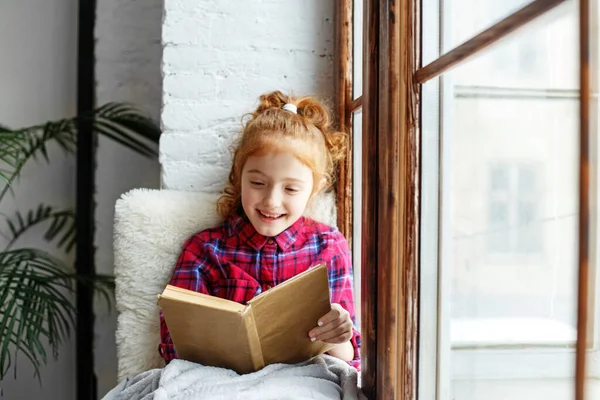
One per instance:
[(256, 183), (292, 190)]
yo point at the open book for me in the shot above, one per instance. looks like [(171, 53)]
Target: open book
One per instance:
[(272, 328)]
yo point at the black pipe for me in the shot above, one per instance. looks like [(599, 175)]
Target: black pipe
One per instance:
[(85, 182)]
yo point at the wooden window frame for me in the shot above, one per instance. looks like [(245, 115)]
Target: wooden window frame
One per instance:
[(390, 133), (343, 90), (390, 189), (531, 361), (389, 249), (391, 178), (583, 284)]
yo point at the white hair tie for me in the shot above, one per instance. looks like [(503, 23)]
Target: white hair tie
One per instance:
[(291, 108)]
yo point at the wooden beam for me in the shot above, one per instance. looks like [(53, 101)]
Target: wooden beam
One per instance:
[(389, 131), (369, 217), (584, 199), (410, 169), (390, 199), (485, 39), (404, 169), (356, 104), (343, 100)]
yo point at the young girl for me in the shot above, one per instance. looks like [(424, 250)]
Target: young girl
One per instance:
[(286, 155)]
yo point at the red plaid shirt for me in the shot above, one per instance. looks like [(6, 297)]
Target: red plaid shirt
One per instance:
[(235, 262)]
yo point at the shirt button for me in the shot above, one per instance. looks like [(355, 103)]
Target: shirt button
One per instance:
[(270, 241)]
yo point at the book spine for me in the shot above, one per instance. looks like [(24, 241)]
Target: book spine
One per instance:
[(256, 353)]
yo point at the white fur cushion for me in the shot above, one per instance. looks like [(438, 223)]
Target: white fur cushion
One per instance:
[(150, 229)]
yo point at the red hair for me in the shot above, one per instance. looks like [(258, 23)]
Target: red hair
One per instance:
[(307, 134)]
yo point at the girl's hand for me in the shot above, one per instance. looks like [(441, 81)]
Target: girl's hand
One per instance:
[(334, 327)]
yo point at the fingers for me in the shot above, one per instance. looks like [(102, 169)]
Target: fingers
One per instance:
[(334, 327), (337, 312), (338, 334)]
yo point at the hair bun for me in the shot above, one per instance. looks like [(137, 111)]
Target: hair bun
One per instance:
[(336, 144), (314, 112), (317, 114), (270, 100)]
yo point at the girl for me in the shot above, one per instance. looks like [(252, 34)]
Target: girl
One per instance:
[(286, 155)]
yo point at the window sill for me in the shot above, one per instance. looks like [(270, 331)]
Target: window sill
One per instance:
[(510, 332), (519, 348)]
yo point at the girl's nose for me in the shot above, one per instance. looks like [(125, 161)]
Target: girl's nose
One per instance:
[(272, 199)]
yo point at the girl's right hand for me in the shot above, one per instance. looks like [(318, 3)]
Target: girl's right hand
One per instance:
[(334, 327)]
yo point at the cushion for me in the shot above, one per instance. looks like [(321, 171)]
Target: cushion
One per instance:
[(150, 229)]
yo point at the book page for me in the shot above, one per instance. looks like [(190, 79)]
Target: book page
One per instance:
[(189, 296), (285, 314), (211, 332)]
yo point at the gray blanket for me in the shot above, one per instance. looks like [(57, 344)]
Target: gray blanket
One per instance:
[(323, 377)]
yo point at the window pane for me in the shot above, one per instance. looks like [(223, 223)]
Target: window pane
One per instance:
[(499, 178), (357, 16), (592, 383), (499, 236), (539, 61), (510, 121), (356, 206), (476, 16)]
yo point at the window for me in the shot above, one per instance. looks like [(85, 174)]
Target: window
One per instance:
[(349, 33), (356, 132), (500, 209), (514, 200), (470, 200), (389, 164)]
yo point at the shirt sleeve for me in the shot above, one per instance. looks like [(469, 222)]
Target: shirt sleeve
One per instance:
[(188, 274), (341, 284)]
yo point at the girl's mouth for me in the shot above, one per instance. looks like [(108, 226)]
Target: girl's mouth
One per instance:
[(269, 216)]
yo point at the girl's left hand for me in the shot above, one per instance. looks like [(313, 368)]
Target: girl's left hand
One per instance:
[(334, 327)]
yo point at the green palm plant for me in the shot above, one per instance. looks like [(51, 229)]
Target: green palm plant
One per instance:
[(36, 307)]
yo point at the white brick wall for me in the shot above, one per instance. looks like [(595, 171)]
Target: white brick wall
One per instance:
[(218, 57)]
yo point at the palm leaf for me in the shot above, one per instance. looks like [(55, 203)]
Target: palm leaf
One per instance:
[(61, 225), (36, 305), (125, 124), (28, 292), (119, 121), (11, 149), (35, 289), (19, 146)]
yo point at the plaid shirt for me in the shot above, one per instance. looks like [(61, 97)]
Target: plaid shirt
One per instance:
[(235, 262)]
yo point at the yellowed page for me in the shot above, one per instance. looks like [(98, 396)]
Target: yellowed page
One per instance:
[(285, 314)]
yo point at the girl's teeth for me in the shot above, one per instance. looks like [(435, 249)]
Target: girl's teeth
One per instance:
[(270, 216)]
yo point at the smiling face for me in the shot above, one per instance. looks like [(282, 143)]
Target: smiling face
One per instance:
[(276, 188)]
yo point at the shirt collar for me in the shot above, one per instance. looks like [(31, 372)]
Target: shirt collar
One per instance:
[(240, 225)]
